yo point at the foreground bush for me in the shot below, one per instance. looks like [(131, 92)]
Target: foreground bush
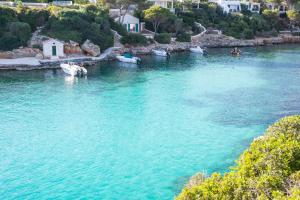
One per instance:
[(20, 30), (134, 39), (269, 169), (163, 38), (118, 27), (8, 42), (183, 37)]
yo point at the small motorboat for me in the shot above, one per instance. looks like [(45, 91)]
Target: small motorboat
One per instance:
[(160, 52), (72, 69), (128, 58), (235, 52), (197, 49)]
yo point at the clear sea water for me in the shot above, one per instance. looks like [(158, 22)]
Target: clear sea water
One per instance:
[(127, 133)]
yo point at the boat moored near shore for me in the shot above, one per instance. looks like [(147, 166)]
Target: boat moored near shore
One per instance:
[(161, 52), (196, 49), (128, 58), (72, 69)]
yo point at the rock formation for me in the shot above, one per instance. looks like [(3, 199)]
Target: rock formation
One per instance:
[(72, 48), (20, 53), (90, 48)]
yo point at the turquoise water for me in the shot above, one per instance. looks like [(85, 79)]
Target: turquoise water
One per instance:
[(139, 133)]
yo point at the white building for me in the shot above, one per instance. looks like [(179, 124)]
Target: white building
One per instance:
[(169, 4), (252, 6), (228, 6), (131, 23), (53, 49)]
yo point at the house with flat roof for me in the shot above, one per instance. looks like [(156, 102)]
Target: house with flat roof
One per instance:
[(169, 4), (131, 23), (252, 6), (228, 6), (53, 49)]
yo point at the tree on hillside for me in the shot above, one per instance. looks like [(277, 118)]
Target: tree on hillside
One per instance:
[(123, 5), (294, 17), (289, 3), (272, 16), (156, 15)]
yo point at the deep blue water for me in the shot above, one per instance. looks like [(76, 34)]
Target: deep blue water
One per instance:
[(139, 133)]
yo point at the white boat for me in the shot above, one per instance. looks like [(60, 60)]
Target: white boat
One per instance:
[(197, 49), (160, 52), (72, 69), (128, 59)]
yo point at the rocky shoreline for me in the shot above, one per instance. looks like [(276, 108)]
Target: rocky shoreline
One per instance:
[(206, 40)]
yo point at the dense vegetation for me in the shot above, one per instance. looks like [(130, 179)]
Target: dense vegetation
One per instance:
[(13, 33), (269, 169), (240, 25), (163, 38), (134, 39), (87, 22), (77, 24)]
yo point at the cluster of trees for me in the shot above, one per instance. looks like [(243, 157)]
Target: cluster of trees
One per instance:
[(86, 22), (17, 24), (269, 169), (77, 24), (243, 25)]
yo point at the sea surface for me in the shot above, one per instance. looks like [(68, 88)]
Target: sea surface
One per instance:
[(138, 133)]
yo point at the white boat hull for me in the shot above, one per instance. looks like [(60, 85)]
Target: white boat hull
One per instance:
[(134, 60), (73, 70), (160, 53), (197, 50)]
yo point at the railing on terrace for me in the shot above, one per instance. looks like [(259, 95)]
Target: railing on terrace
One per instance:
[(7, 3), (62, 3), (40, 5), (29, 4)]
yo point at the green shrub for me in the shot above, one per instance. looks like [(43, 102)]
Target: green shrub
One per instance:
[(7, 15), (296, 33), (9, 42), (183, 37), (20, 30), (163, 38), (66, 35), (248, 34), (118, 27), (134, 39), (269, 169), (273, 19), (34, 17), (81, 2)]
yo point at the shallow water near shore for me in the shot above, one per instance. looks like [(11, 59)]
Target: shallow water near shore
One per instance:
[(139, 133)]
